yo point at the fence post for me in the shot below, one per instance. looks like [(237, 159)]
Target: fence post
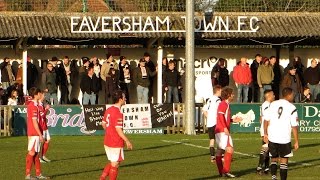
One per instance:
[(9, 120)]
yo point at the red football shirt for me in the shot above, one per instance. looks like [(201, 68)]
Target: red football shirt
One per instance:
[(32, 112), (42, 118), (113, 119), (223, 117)]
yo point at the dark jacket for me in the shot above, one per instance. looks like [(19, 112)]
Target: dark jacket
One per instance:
[(121, 72), (50, 81), (171, 78), (32, 75), (4, 72), (287, 81), (221, 76), (89, 84), (151, 66), (62, 76), (277, 74), (254, 71), (312, 75), (137, 77)]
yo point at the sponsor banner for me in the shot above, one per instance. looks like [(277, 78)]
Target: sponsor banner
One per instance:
[(144, 131), (61, 120), (162, 115), (310, 120), (136, 116), (93, 115)]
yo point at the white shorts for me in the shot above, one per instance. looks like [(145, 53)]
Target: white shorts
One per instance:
[(46, 135), (262, 129), (114, 154), (223, 140), (34, 143)]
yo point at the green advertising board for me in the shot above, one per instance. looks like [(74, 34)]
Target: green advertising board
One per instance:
[(66, 120), (69, 120)]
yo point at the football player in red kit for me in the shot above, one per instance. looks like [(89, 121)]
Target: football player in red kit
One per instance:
[(114, 137), (223, 137), (34, 135), (43, 109)]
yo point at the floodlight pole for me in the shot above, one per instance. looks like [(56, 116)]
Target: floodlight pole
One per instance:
[(190, 96)]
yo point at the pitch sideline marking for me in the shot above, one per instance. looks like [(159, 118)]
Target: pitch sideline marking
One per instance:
[(235, 152)]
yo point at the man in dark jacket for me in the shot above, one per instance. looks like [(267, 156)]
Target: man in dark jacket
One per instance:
[(292, 80), (277, 71), (254, 71), (125, 77), (152, 68), (171, 80), (141, 78), (7, 76), (312, 79), (32, 74), (89, 87), (66, 76), (50, 84), (221, 73)]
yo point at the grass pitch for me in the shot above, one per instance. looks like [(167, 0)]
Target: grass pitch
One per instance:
[(154, 157)]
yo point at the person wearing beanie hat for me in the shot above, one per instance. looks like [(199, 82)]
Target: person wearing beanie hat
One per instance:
[(265, 77), (106, 68)]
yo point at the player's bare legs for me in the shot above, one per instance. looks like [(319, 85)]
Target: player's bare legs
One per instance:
[(212, 150)]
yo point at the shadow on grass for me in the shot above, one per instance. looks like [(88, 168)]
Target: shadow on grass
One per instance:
[(83, 157), (127, 165), (156, 147), (309, 145)]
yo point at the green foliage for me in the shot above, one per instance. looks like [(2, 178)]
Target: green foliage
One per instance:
[(83, 158)]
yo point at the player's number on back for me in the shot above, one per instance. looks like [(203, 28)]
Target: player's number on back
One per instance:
[(108, 120), (280, 112)]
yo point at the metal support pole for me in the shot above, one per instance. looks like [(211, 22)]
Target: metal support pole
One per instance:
[(190, 99), (24, 66), (160, 56)]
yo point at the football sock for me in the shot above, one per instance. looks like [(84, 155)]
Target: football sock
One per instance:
[(273, 169), (45, 147), (37, 164), (106, 170), (219, 164), (29, 162), (113, 173), (261, 160), (212, 151), (283, 171), (227, 162), (267, 160)]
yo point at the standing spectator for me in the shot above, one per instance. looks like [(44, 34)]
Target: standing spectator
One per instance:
[(164, 64), (254, 71), (50, 84), (265, 77), (13, 100), (297, 63), (7, 76), (97, 70), (242, 78), (83, 70), (221, 73), (19, 74), (172, 83), (312, 78), (105, 76), (141, 78), (277, 76), (292, 80), (32, 74), (113, 82), (306, 95), (66, 77), (183, 84), (125, 77), (89, 87), (149, 64)]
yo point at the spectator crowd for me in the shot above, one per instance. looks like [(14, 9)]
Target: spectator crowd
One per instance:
[(98, 81)]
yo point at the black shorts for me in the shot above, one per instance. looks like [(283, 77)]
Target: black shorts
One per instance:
[(280, 150), (211, 132)]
